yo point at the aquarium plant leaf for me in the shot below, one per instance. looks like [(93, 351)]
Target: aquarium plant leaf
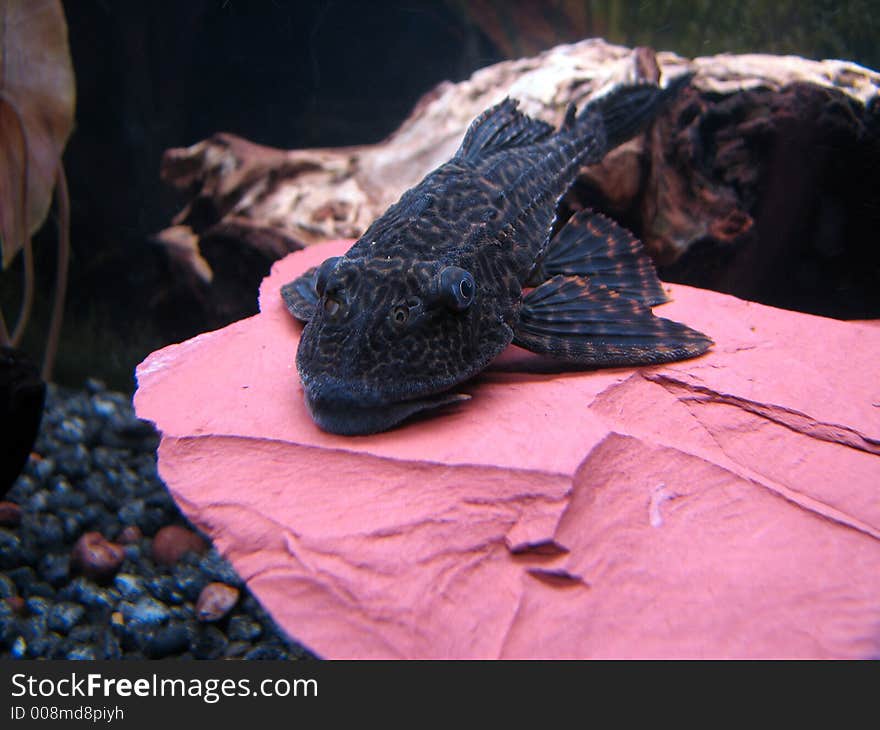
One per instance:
[(37, 98)]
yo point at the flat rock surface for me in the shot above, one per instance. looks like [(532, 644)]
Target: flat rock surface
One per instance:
[(725, 506)]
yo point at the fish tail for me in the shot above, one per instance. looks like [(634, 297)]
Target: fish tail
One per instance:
[(628, 109)]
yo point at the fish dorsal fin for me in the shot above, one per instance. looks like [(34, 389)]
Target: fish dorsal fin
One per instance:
[(570, 117), (500, 127)]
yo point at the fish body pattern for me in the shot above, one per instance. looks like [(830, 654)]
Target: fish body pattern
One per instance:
[(436, 287)]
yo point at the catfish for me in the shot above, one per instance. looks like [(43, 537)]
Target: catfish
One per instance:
[(465, 263)]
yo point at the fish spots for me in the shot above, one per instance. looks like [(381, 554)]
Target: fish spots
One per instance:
[(432, 292)]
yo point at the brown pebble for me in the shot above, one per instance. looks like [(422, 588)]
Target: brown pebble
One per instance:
[(215, 601), (10, 514), (173, 541), (16, 603), (96, 557), (131, 534)]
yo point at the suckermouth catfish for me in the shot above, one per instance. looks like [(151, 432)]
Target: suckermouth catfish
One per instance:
[(435, 288)]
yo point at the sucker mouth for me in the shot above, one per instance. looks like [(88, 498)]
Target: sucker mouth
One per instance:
[(345, 418)]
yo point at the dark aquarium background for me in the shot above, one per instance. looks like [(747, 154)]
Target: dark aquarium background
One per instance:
[(310, 73)]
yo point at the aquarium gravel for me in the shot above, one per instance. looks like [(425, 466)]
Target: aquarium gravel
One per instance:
[(93, 470)]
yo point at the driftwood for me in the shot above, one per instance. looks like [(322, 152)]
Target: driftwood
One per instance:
[(761, 159)]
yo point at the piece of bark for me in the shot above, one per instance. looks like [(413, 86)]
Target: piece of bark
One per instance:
[(719, 507), (749, 166)]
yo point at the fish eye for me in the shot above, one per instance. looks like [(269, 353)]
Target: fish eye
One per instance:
[(457, 288), (331, 307), (466, 289), (399, 314), (323, 274)]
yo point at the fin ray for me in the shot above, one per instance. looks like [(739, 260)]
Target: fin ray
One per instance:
[(578, 322), (592, 245), (500, 127), (627, 110)]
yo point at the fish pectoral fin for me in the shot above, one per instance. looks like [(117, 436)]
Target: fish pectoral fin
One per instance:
[(595, 246), (300, 296), (571, 319)]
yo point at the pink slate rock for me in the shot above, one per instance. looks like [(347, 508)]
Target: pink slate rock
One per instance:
[(726, 506)]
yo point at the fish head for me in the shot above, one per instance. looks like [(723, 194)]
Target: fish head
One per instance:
[(390, 337)]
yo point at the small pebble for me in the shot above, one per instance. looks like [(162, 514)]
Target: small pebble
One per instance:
[(129, 586), (69, 592), (45, 644), (172, 542), (172, 638), (145, 612), (42, 589), (83, 633), (62, 617), (19, 648), (62, 494), (153, 520), (182, 612), (8, 624), (38, 501), (7, 587), (165, 589), (264, 652), (10, 548), (33, 627), (108, 646), (215, 601), (236, 649), (130, 535), (96, 557), (41, 467), (49, 530), (82, 653), (25, 484), (37, 605), (89, 594), (219, 570), (55, 568), (210, 643), (22, 576), (132, 512), (94, 385), (73, 461), (71, 430), (10, 514), (241, 628), (72, 524), (189, 581), (103, 407)]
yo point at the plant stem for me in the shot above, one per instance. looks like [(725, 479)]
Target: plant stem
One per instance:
[(4, 333), (22, 234), (60, 271), (28, 295)]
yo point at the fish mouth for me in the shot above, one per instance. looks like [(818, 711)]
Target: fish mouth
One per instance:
[(337, 409)]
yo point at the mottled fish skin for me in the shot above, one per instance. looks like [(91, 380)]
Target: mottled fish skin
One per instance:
[(385, 338)]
